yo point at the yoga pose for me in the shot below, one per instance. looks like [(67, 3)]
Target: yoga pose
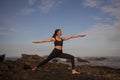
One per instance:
[(57, 51)]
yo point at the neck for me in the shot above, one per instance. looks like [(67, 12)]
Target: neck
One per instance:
[(57, 36)]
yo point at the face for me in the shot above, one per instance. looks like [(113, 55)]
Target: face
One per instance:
[(59, 33)]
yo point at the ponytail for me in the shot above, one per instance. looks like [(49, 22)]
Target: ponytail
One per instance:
[(55, 33)]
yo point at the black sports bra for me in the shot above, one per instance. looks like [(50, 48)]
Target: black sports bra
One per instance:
[(58, 43)]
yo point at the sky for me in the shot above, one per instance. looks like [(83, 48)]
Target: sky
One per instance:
[(24, 21)]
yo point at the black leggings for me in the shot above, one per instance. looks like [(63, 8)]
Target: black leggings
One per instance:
[(57, 53)]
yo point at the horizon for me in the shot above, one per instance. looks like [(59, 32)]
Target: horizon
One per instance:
[(23, 21)]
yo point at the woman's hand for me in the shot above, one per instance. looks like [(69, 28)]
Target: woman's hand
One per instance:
[(35, 42), (82, 35)]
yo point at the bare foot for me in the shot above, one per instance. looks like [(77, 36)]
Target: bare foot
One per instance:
[(75, 72), (33, 69)]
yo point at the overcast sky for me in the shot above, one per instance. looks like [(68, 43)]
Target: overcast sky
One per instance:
[(22, 21)]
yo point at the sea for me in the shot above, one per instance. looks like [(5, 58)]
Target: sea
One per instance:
[(113, 62)]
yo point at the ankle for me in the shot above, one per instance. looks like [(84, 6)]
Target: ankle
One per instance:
[(75, 72), (34, 68)]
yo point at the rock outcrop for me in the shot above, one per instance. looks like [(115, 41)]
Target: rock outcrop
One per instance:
[(20, 69)]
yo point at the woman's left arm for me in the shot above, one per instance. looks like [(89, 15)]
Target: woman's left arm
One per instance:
[(71, 37)]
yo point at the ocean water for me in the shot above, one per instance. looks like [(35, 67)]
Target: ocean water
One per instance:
[(113, 62)]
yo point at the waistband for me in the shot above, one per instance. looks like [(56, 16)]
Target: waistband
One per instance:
[(57, 49)]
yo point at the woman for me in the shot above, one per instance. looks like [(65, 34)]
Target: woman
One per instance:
[(57, 51)]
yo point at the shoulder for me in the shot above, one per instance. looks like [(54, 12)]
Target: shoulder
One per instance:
[(53, 39), (62, 38)]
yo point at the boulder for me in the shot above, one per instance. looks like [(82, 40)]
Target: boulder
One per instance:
[(2, 57)]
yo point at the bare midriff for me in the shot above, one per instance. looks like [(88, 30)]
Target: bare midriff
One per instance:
[(58, 47)]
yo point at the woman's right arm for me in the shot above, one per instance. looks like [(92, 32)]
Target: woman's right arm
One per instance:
[(43, 41)]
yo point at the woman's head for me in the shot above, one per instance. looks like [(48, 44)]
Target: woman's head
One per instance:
[(57, 32)]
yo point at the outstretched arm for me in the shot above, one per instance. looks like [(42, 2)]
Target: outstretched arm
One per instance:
[(42, 41), (76, 36)]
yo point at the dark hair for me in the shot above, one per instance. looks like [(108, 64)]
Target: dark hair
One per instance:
[(55, 33)]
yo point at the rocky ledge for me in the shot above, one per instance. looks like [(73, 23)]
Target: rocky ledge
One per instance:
[(20, 69)]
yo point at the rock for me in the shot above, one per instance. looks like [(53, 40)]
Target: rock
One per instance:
[(48, 75), (54, 60), (29, 60), (31, 57), (2, 57), (21, 70), (81, 60)]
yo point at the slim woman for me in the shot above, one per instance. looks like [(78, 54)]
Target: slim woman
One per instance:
[(57, 51)]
